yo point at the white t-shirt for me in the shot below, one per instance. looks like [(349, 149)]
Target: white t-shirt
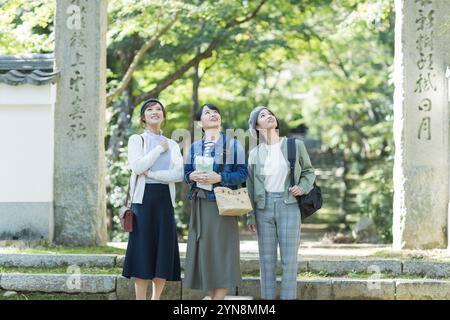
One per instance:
[(276, 168)]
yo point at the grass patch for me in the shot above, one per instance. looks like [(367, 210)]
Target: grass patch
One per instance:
[(387, 254), (310, 275), (60, 270), (55, 296), (65, 250), (409, 256), (364, 275), (353, 275), (350, 275)]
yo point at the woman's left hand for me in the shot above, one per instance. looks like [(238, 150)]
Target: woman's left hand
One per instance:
[(295, 190), (211, 178)]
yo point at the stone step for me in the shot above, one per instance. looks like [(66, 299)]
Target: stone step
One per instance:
[(117, 287), (330, 265), (57, 260), (232, 298), (392, 267), (343, 288), (64, 283)]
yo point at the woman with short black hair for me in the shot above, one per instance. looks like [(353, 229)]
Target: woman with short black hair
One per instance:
[(156, 163)]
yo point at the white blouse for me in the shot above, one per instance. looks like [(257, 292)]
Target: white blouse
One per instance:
[(275, 169)]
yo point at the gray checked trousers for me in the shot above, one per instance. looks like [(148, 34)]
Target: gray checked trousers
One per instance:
[(278, 223)]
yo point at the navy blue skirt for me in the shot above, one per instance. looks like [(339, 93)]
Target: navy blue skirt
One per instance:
[(152, 250)]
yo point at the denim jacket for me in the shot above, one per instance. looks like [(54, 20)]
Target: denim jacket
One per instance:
[(234, 171)]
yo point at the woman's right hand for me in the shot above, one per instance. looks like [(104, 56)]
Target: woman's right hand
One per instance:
[(164, 144), (252, 228)]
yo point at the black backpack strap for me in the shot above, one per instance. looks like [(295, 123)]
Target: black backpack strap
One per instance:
[(235, 150), (291, 158)]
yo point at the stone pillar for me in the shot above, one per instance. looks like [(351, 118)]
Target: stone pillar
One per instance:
[(421, 167), (79, 176), (447, 75)]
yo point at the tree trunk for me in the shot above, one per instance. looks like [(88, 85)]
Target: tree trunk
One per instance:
[(195, 87), (346, 198), (194, 107), (123, 108)]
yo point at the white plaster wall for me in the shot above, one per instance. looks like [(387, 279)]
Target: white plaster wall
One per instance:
[(26, 143), (27, 94)]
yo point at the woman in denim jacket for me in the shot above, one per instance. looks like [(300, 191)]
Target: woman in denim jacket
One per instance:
[(212, 254)]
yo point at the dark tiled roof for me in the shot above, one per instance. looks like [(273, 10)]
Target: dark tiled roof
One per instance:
[(36, 69)]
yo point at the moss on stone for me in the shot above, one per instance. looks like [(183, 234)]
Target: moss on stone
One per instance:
[(55, 296), (60, 270), (65, 250)]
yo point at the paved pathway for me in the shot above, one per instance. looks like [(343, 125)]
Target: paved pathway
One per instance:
[(317, 250)]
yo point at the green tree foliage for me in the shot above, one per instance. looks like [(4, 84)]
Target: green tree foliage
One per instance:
[(26, 26), (321, 62)]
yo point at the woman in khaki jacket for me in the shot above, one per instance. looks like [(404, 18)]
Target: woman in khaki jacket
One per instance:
[(276, 217)]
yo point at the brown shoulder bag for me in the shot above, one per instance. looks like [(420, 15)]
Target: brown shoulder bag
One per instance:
[(126, 214)]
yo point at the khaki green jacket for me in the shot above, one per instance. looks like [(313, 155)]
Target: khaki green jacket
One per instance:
[(304, 175)]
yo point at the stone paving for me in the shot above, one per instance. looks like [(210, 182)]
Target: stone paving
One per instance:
[(327, 272)]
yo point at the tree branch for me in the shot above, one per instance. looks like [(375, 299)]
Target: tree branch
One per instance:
[(167, 81), (205, 70), (137, 59), (236, 22)]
